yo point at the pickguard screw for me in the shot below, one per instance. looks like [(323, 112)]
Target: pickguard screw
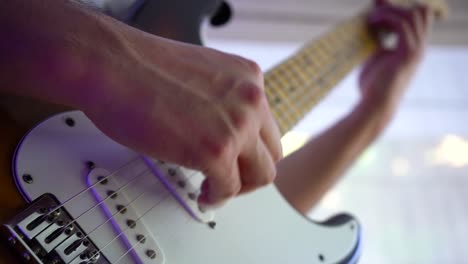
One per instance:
[(321, 257), (70, 122), (141, 238), (27, 178), (212, 224), (90, 165), (131, 223), (151, 253), (26, 256)]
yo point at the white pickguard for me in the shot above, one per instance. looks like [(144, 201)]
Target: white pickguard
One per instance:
[(253, 229)]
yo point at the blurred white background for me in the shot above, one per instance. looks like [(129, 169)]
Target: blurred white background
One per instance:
[(410, 188)]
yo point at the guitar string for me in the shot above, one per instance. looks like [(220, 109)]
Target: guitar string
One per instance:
[(344, 55), (120, 210), (132, 247), (128, 164), (344, 41), (127, 204), (289, 75), (349, 54), (330, 70), (91, 186), (118, 170), (107, 198), (136, 220)]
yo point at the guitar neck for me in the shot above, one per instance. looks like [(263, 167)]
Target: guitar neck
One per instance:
[(301, 81)]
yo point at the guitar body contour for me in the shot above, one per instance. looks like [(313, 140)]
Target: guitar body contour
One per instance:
[(54, 158)]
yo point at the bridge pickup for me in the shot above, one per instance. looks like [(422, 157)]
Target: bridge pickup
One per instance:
[(43, 234)]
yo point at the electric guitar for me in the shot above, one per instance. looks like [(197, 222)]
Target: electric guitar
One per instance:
[(69, 194)]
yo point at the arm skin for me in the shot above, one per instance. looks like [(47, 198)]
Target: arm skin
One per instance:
[(306, 175), (181, 103)]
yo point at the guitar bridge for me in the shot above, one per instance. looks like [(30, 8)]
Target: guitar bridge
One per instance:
[(46, 233)]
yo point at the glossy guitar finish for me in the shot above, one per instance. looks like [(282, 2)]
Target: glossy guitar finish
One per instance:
[(258, 228), (283, 235)]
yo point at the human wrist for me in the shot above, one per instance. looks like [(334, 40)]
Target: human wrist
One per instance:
[(376, 116)]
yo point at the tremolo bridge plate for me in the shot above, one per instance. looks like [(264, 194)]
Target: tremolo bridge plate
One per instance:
[(46, 233)]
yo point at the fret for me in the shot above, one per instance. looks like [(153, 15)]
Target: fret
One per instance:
[(300, 82)]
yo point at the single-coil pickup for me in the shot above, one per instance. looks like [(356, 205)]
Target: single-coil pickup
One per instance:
[(112, 192), (184, 184)]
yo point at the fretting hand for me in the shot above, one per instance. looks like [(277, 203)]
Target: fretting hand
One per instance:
[(386, 75)]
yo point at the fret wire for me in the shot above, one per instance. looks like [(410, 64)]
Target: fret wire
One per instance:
[(293, 115), (311, 98), (288, 103), (340, 71), (319, 52), (281, 115), (319, 91), (315, 82)]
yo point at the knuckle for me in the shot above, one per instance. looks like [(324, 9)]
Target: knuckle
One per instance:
[(254, 67), (277, 153), (251, 93), (270, 176), (215, 148), (232, 189), (239, 119), (267, 178)]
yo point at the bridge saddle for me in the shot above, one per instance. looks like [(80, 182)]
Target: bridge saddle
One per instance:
[(46, 233)]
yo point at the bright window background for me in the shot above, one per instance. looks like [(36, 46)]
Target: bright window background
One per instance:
[(409, 189)]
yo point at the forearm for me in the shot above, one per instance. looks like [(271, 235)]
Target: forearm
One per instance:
[(54, 51), (307, 174)]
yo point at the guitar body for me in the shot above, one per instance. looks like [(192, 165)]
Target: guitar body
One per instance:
[(131, 209)]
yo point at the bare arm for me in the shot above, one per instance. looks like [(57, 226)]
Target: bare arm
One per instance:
[(306, 175), (186, 104)]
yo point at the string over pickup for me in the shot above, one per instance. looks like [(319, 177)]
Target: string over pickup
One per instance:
[(123, 208), (184, 184)]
